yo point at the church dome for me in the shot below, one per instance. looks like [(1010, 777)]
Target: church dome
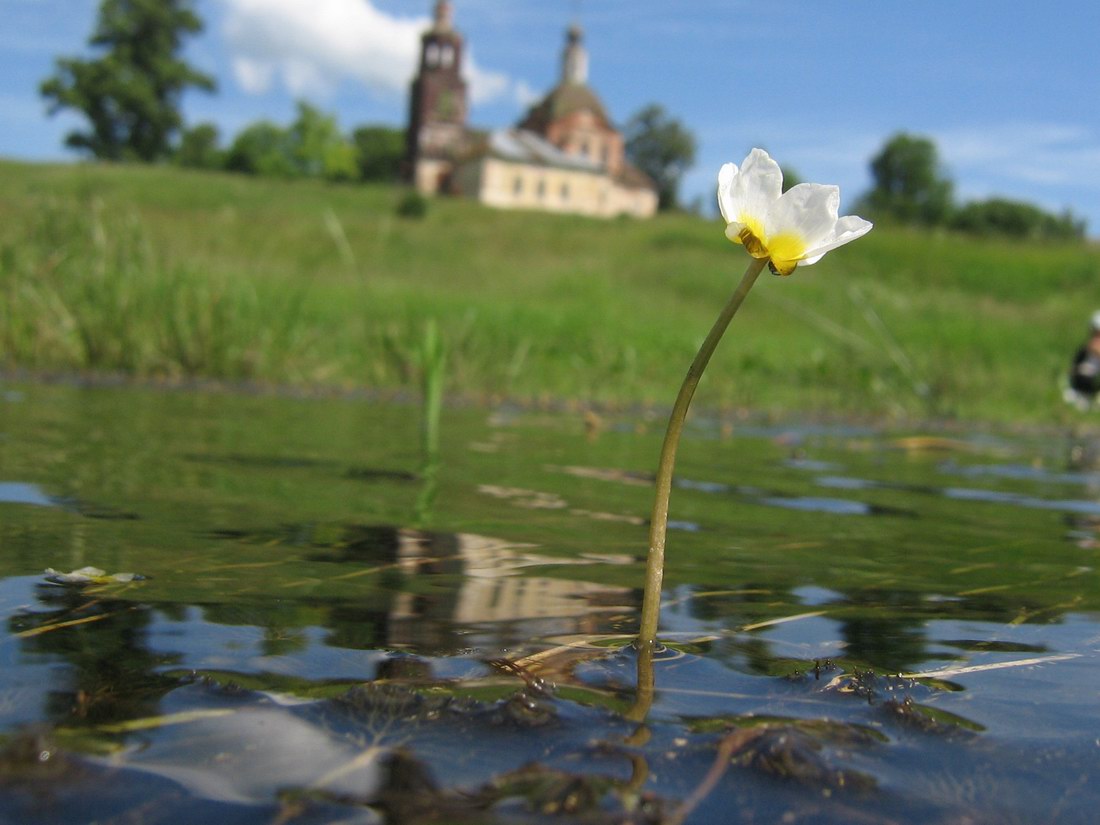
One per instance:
[(572, 94), (564, 100)]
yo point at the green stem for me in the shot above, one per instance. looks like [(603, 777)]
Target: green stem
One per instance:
[(643, 695), (658, 524)]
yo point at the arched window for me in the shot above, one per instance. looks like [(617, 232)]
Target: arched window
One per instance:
[(517, 185), (446, 56), (431, 56), (540, 190), (565, 191)]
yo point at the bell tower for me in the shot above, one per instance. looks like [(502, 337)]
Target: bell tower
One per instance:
[(437, 102)]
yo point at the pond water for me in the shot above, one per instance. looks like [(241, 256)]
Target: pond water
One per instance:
[(295, 622)]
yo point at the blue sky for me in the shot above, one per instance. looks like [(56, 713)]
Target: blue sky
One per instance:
[(1009, 92)]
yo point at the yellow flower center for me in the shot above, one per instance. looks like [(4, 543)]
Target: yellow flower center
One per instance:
[(784, 250), (752, 237)]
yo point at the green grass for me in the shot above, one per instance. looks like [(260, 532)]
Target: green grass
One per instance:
[(159, 272)]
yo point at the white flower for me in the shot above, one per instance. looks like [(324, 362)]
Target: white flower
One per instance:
[(787, 228)]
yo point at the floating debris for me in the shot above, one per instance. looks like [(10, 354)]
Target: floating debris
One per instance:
[(91, 575)]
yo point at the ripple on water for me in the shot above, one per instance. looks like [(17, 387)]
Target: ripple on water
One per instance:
[(1081, 506), (820, 504)]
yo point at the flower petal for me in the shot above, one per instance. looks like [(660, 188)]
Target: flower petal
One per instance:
[(847, 229), (726, 177), (760, 183), (800, 220), (807, 210), (745, 194)]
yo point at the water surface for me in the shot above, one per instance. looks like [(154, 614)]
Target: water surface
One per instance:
[(864, 625)]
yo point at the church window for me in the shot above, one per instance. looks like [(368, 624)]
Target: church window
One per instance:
[(446, 56), (431, 56)]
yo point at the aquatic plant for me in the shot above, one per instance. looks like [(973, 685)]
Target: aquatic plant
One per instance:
[(433, 362), (782, 230)]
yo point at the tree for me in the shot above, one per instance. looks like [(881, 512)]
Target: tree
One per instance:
[(131, 94), (909, 185), (318, 148), (662, 148), (262, 149), (381, 150), (198, 148), (1001, 216), (312, 146)]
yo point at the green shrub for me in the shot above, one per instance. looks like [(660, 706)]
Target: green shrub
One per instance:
[(412, 205), (1000, 216)]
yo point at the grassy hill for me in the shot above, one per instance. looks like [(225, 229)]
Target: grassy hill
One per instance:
[(156, 271)]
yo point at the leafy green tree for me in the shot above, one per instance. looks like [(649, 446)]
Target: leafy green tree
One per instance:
[(130, 94), (262, 148), (318, 148), (1001, 216), (909, 185), (381, 150), (312, 146), (661, 147), (198, 148)]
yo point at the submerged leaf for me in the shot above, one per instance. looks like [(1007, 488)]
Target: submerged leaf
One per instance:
[(790, 753), (928, 719)]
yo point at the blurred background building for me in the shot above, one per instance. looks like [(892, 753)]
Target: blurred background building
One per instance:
[(564, 155)]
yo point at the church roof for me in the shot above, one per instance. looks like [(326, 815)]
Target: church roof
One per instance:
[(631, 177), (564, 99), (522, 146)]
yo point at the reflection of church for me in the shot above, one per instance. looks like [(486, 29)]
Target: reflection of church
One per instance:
[(496, 591), (565, 155)]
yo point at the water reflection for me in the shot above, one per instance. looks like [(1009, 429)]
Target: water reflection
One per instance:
[(433, 592), (445, 590), (835, 506), (885, 629), (111, 672), (14, 492), (491, 586), (285, 567), (17, 492)]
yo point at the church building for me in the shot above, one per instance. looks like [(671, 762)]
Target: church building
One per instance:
[(564, 155)]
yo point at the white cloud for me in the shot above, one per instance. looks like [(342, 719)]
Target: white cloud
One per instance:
[(311, 47), (1043, 154), (1054, 165), (253, 76), (525, 94)]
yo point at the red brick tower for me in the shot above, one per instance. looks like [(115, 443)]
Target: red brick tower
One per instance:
[(437, 103)]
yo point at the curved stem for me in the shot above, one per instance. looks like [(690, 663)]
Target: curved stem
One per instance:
[(658, 524)]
